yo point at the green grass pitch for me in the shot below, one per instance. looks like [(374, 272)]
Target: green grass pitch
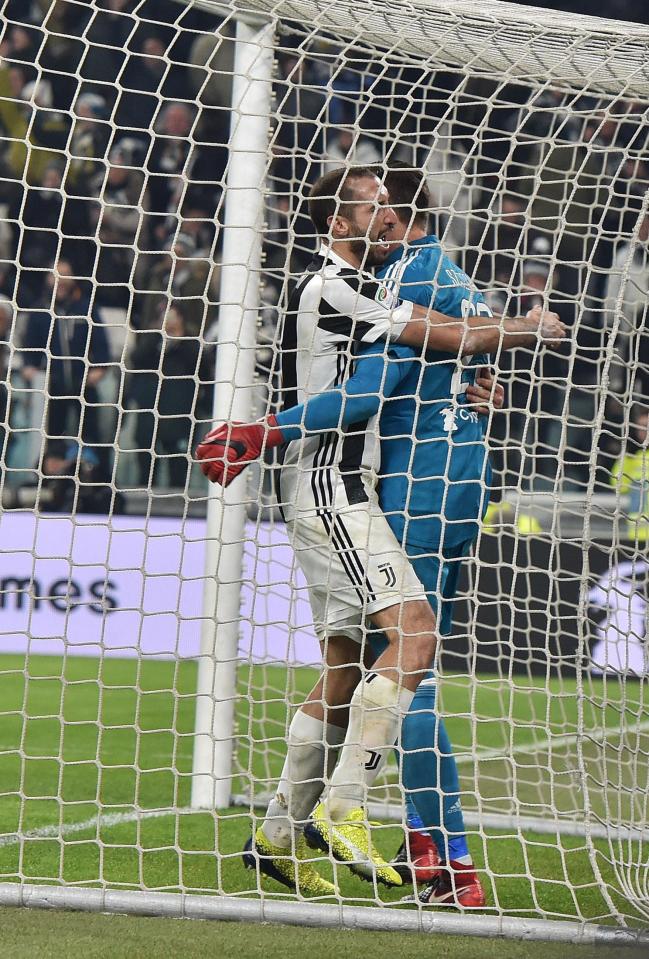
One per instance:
[(80, 736), (34, 934)]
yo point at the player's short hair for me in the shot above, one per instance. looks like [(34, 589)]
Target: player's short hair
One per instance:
[(331, 192), (409, 194)]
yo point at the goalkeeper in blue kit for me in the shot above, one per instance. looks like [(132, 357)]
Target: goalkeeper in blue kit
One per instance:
[(433, 460), (433, 489)]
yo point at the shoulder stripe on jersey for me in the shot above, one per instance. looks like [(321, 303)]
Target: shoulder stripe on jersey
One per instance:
[(395, 271), (332, 321), (361, 284)]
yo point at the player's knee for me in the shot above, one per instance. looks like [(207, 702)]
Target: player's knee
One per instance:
[(425, 655), (417, 655), (422, 634), (420, 618), (340, 683)]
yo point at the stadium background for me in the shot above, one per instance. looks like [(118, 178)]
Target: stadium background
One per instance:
[(59, 94), (107, 97), (133, 131)]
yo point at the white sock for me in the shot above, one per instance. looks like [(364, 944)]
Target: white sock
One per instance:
[(301, 782), (376, 710)]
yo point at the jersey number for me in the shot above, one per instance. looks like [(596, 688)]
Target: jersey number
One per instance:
[(463, 377)]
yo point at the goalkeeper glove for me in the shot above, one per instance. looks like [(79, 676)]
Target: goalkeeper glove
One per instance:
[(226, 451)]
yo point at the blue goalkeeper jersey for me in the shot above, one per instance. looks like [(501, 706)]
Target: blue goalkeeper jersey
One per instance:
[(435, 470)]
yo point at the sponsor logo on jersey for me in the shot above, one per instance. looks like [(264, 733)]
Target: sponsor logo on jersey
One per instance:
[(449, 419), (452, 414)]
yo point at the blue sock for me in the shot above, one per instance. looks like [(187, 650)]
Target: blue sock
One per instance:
[(430, 774), (413, 819)]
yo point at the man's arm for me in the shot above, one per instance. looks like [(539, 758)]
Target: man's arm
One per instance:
[(430, 330), (363, 309), (227, 450), (378, 371)]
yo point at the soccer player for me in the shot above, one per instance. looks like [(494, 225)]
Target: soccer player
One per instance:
[(443, 477), (354, 566)]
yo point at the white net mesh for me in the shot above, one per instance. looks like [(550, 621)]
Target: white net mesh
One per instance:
[(121, 270)]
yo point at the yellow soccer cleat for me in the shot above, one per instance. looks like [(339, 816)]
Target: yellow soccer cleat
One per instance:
[(502, 517), (350, 842), (278, 863), (498, 515), (528, 525)]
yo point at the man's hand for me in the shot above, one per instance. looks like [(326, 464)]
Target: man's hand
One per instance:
[(549, 327), (226, 451), (485, 394)]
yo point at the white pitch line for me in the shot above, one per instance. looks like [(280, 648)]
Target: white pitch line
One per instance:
[(498, 821), (81, 755), (547, 743), (502, 752), (58, 830)]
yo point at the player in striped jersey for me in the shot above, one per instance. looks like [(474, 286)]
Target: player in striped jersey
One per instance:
[(354, 565)]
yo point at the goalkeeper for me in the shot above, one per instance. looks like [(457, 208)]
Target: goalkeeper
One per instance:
[(372, 368)]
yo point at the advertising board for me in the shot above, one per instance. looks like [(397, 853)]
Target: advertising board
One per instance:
[(133, 586)]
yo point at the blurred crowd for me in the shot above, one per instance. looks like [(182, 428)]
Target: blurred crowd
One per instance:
[(115, 131), (111, 183)]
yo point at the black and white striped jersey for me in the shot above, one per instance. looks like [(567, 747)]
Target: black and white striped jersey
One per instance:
[(333, 309)]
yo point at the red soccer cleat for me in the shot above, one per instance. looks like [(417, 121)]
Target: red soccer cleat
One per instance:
[(454, 885), (418, 854)]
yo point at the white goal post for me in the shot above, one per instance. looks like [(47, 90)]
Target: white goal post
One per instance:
[(532, 128)]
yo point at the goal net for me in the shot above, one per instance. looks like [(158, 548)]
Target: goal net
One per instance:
[(156, 634)]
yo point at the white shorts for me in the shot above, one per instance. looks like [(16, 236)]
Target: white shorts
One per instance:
[(353, 565)]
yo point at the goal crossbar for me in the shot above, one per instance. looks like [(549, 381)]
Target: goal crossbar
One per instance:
[(539, 47)]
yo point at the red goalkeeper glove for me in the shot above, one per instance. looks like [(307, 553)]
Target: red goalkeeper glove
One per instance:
[(228, 449)]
